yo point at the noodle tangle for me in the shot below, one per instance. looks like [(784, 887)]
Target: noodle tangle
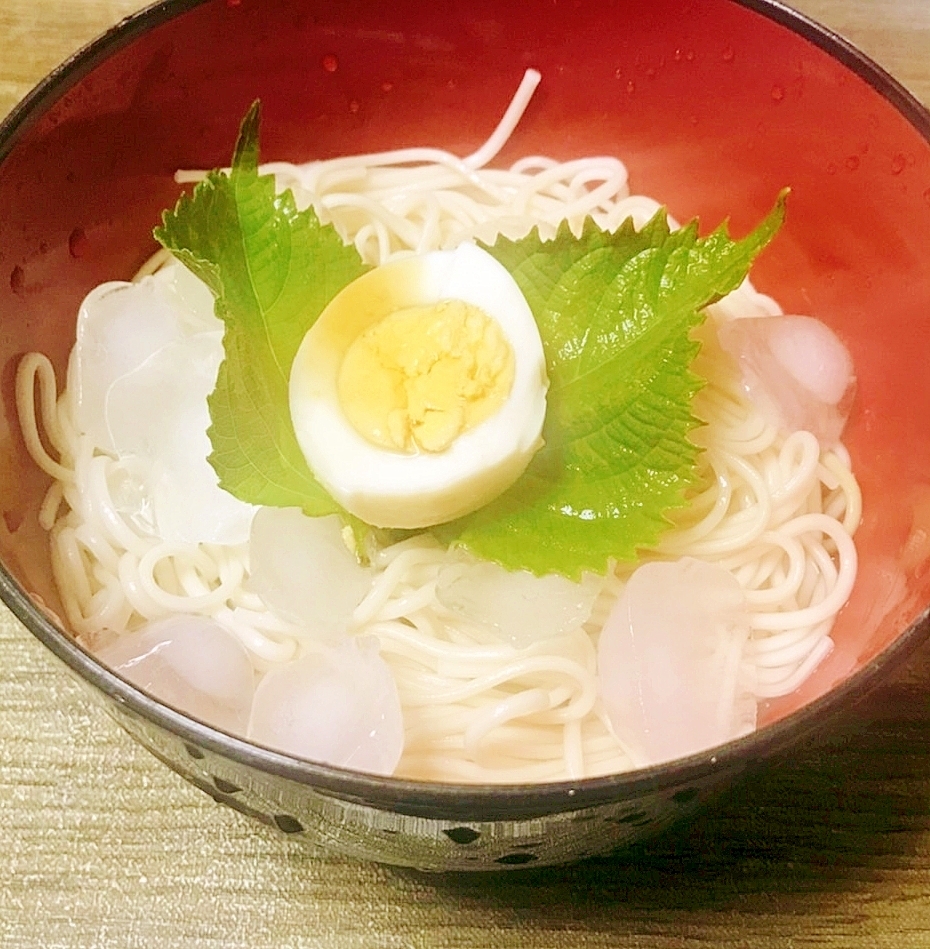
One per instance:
[(776, 511)]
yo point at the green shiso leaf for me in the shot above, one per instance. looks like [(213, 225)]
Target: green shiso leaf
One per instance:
[(615, 312), (272, 269)]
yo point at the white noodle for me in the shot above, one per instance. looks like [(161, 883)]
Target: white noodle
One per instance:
[(778, 512)]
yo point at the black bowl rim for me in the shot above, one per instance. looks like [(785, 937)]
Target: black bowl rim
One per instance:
[(435, 800)]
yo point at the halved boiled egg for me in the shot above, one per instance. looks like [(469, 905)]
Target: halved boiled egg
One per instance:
[(419, 394)]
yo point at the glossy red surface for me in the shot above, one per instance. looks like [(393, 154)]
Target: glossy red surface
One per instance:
[(713, 106)]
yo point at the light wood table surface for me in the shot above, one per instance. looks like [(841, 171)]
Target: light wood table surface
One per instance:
[(102, 846)]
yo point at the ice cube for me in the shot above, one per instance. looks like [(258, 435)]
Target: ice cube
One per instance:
[(339, 707), (795, 369), (146, 405), (190, 663), (158, 413), (520, 607), (302, 569), (668, 660), (120, 325), (191, 297), (189, 505)]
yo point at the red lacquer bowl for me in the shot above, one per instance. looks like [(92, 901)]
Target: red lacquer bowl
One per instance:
[(715, 105)]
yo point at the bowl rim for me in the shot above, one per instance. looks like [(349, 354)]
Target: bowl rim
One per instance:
[(470, 803)]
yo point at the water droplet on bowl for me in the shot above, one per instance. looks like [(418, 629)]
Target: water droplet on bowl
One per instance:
[(387, 86), (631, 87), (354, 106), (330, 63), (852, 163), (77, 242), (728, 54), (898, 164), (18, 279), (778, 93)]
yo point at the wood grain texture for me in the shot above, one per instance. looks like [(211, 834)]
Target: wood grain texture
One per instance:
[(101, 846)]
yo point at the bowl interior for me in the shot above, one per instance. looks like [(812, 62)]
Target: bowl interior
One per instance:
[(714, 107)]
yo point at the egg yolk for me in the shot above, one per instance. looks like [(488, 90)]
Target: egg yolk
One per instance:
[(417, 379)]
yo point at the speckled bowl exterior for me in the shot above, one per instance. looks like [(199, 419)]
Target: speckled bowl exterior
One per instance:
[(715, 105)]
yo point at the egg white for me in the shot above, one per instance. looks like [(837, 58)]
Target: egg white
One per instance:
[(387, 488)]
